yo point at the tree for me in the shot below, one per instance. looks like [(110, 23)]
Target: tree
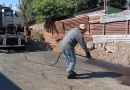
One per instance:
[(25, 6), (50, 10), (118, 2), (83, 5), (101, 2), (128, 4)]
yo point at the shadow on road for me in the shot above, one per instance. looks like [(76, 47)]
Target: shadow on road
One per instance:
[(34, 47), (98, 75), (6, 84), (22, 49)]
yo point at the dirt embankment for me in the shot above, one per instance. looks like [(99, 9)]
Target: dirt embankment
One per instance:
[(114, 53)]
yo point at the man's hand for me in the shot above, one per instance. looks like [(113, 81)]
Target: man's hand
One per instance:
[(88, 55)]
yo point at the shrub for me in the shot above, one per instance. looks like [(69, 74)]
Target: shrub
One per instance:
[(37, 37)]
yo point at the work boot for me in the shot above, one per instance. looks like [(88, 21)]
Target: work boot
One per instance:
[(72, 75)]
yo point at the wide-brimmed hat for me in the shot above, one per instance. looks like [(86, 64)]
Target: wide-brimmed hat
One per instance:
[(82, 26)]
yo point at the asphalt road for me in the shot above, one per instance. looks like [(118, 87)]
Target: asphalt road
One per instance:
[(29, 70)]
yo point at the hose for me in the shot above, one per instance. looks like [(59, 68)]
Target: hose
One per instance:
[(56, 60), (53, 65), (41, 63)]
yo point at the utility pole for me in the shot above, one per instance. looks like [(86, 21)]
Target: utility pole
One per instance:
[(105, 6)]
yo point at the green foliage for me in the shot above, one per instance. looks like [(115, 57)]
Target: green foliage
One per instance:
[(101, 2), (37, 37), (50, 10), (83, 5), (92, 4), (115, 3), (26, 7), (118, 2)]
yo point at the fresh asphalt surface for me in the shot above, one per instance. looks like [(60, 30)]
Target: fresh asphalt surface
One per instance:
[(29, 70)]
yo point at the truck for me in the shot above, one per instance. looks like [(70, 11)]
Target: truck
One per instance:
[(14, 32)]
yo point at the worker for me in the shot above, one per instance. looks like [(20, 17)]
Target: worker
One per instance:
[(72, 38)]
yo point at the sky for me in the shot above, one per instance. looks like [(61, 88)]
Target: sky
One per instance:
[(8, 2)]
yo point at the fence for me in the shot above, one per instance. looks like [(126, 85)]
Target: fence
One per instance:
[(114, 28), (66, 25), (73, 23), (111, 28)]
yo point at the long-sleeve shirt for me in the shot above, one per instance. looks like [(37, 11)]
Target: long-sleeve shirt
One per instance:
[(72, 38)]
